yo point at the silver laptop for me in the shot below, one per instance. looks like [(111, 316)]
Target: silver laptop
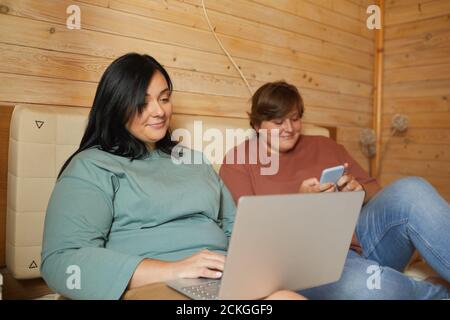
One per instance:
[(294, 242)]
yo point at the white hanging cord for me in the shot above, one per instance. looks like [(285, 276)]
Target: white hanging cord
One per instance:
[(224, 50)]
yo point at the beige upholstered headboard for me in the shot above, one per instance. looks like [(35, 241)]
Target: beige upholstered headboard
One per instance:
[(41, 139)]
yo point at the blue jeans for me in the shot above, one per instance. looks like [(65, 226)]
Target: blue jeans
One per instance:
[(407, 215)]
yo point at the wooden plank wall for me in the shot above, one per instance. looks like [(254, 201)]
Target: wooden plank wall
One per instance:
[(417, 83), (322, 46), (5, 115)]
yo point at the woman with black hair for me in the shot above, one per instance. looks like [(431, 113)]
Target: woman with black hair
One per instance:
[(122, 213)]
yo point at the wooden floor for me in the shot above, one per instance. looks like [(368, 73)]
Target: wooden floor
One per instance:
[(23, 289)]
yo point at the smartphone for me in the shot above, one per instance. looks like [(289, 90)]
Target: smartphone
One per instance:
[(332, 175)]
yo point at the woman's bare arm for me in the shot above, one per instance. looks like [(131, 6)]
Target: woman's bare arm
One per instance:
[(206, 264)]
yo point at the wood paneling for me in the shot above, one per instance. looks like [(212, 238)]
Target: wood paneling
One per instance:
[(57, 38), (423, 168), (240, 26), (417, 84), (418, 104), (136, 26), (5, 115), (424, 120), (419, 73), (418, 28), (22, 60), (414, 10), (420, 136), (408, 151)]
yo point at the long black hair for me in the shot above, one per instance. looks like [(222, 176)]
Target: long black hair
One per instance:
[(120, 95)]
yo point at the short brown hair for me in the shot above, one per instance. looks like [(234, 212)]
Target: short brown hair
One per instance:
[(274, 100)]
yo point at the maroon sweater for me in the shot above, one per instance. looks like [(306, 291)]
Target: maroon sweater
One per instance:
[(309, 157)]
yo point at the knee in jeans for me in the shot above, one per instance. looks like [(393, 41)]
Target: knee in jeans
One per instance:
[(374, 283), (411, 186), (415, 191)]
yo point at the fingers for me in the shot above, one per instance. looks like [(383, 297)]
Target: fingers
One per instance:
[(345, 183), (309, 185), (206, 264), (326, 187), (332, 189), (213, 264), (345, 179), (201, 272), (348, 182), (212, 260), (346, 166), (207, 273), (353, 185), (311, 182)]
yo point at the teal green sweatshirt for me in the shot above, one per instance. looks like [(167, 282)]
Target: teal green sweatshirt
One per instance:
[(107, 213)]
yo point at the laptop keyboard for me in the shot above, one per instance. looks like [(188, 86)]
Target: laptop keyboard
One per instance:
[(204, 291)]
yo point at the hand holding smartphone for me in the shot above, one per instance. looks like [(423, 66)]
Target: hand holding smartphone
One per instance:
[(332, 175)]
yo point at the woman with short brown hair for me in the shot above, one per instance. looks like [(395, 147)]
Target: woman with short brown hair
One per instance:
[(395, 221)]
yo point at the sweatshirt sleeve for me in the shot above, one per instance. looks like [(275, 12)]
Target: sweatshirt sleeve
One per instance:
[(75, 262), (227, 210)]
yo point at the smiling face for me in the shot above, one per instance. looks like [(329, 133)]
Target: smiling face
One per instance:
[(289, 130), (152, 124), (277, 109)]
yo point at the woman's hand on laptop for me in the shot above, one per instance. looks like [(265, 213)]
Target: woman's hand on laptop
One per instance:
[(312, 185), (205, 264)]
